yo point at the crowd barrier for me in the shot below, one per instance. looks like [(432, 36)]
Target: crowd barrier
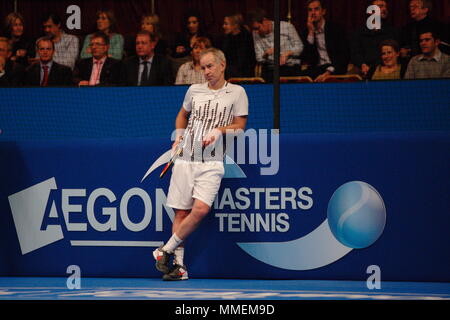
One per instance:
[(361, 182), (57, 113)]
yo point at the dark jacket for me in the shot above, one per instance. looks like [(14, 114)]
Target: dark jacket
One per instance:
[(112, 74), (14, 75), (364, 44), (160, 72), (239, 52), (336, 45), (410, 33), (59, 76)]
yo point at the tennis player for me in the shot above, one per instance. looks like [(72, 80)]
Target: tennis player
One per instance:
[(209, 111)]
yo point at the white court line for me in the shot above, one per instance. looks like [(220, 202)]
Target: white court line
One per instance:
[(112, 243)]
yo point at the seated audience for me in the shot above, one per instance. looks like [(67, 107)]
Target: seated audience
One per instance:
[(100, 70), (66, 45), (291, 46), (238, 48), (106, 23), (390, 68), (326, 51), (365, 42), (431, 63), (191, 71), (23, 48), (47, 72), (420, 12), (148, 68), (11, 72)]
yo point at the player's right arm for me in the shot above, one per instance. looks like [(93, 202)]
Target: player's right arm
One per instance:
[(181, 123)]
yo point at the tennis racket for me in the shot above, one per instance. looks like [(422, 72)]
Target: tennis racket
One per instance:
[(172, 160)]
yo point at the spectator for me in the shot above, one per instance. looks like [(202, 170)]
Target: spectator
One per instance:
[(150, 23), (291, 45), (47, 72), (420, 11), (11, 72), (191, 72), (326, 50), (23, 48), (106, 23), (148, 68), (192, 28), (100, 69), (66, 45), (238, 48), (431, 63), (365, 43), (390, 68)]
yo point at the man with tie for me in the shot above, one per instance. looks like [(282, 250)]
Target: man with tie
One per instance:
[(326, 49), (46, 72), (148, 68), (100, 70)]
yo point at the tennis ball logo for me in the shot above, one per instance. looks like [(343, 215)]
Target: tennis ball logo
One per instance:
[(356, 214)]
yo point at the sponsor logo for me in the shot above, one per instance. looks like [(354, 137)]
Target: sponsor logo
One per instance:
[(356, 217), (41, 211)]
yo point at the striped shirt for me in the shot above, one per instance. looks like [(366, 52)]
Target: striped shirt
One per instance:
[(210, 109)]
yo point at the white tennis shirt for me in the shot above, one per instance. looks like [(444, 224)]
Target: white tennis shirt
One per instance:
[(211, 109)]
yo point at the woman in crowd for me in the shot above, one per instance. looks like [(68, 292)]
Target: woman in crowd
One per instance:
[(106, 23), (238, 48), (191, 72), (22, 47), (150, 23), (193, 27), (390, 69)]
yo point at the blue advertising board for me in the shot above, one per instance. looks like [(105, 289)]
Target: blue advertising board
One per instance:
[(308, 206)]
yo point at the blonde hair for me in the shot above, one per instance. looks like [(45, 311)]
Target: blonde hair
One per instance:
[(11, 18), (236, 19), (153, 19), (218, 54)]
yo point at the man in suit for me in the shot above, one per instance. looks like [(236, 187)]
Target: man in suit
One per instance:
[(11, 73), (148, 68), (46, 72), (100, 70), (326, 49)]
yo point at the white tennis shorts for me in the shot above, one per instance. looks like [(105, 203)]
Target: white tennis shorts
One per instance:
[(194, 180)]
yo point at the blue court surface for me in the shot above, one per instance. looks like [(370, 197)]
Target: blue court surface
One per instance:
[(34, 288)]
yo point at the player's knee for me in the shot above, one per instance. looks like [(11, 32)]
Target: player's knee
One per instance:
[(201, 209), (181, 214)]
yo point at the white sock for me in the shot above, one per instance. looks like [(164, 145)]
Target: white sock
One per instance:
[(179, 256), (172, 244)]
